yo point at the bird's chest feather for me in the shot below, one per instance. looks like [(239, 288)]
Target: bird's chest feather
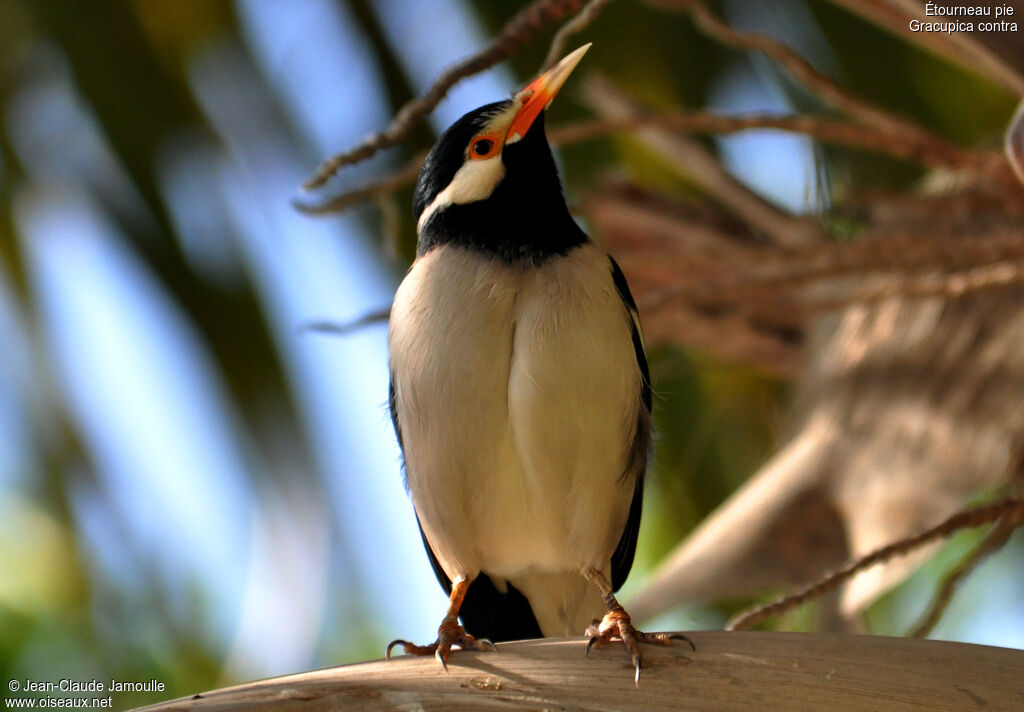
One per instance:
[(517, 393)]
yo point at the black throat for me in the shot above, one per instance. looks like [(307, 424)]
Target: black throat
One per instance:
[(525, 219)]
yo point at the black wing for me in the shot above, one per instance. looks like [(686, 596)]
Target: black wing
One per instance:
[(393, 407), (622, 559)]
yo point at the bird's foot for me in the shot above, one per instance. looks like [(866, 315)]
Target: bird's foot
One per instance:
[(617, 624), (450, 633)]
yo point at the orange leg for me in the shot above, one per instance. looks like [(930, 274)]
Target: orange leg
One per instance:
[(449, 633), (617, 624)]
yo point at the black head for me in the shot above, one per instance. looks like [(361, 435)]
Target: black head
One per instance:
[(490, 182)]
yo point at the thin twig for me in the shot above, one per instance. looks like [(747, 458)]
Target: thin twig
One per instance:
[(918, 143), (906, 255), (699, 166), (948, 286), (513, 35), (815, 81), (766, 297), (560, 42), (389, 184), (1009, 509), (993, 541), (822, 129), (378, 316)]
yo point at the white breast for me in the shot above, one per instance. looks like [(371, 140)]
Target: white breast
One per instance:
[(518, 395)]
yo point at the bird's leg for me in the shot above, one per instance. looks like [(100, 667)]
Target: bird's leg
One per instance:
[(449, 633), (617, 624)]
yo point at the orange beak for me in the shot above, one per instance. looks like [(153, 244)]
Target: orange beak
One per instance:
[(540, 92)]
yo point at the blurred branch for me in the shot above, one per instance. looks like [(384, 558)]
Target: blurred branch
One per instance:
[(767, 276), (666, 247), (906, 254), (693, 161), (513, 35), (818, 83), (560, 42), (993, 541), (1010, 510), (819, 128), (703, 282), (949, 285), (880, 131), (378, 316), (748, 307), (385, 186)]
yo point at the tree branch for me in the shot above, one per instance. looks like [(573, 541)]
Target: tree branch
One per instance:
[(560, 42), (816, 82), (705, 170), (377, 316), (949, 286), (1010, 510), (385, 186), (993, 541), (819, 128), (519, 30)]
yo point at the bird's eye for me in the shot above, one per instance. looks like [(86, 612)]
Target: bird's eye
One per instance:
[(482, 148)]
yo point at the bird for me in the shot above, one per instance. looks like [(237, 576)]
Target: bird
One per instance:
[(519, 391)]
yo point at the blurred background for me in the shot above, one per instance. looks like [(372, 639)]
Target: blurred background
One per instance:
[(196, 488)]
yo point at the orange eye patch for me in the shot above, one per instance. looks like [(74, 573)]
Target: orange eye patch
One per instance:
[(484, 146)]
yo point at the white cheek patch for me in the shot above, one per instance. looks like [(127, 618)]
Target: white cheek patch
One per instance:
[(476, 180)]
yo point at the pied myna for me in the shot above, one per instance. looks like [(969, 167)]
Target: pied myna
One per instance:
[(520, 392)]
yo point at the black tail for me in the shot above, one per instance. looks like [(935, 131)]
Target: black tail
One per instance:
[(488, 613)]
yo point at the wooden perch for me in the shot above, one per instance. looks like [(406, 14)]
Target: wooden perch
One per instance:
[(729, 671)]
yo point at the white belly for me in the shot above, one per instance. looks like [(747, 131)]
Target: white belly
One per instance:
[(518, 395)]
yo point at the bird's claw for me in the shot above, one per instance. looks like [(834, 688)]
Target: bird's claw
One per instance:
[(669, 637), (409, 648), (617, 624), (448, 634)]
